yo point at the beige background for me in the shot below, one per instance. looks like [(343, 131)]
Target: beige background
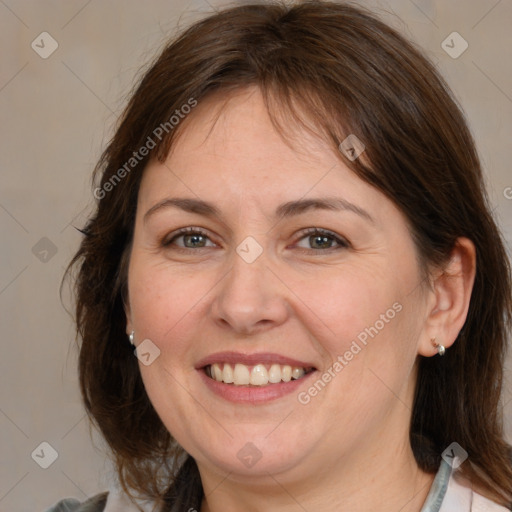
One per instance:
[(56, 115)]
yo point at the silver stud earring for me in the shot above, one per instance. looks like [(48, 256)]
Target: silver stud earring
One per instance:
[(441, 350), (131, 337)]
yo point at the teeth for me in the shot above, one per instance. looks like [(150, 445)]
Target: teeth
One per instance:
[(227, 374), (274, 374), (258, 375), (241, 375), (297, 373), (217, 372)]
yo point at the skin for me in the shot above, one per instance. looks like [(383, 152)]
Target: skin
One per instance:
[(347, 449)]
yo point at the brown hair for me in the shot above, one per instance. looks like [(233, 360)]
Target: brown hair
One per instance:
[(337, 70)]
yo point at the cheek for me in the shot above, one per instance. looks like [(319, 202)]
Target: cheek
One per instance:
[(166, 308), (166, 305), (349, 304), (367, 324)]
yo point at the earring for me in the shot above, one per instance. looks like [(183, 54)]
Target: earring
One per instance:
[(131, 337), (441, 350)]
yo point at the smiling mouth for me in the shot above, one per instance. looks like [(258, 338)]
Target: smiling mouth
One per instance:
[(255, 375)]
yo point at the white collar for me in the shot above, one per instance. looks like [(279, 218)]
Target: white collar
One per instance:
[(118, 501), (448, 494)]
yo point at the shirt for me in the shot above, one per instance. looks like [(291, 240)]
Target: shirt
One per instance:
[(445, 495)]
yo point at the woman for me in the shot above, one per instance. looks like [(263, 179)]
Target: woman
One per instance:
[(292, 231)]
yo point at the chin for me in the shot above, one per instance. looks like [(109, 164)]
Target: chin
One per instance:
[(251, 453)]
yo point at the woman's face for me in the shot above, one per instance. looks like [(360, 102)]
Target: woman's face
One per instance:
[(293, 268)]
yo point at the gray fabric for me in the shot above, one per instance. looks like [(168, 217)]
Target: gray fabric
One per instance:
[(94, 504), (66, 505)]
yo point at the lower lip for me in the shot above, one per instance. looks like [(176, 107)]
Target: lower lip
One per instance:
[(253, 394)]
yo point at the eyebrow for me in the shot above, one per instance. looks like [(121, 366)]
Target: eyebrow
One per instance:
[(288, 209)]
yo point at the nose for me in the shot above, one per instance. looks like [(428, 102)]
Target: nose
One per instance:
[(250, 298)]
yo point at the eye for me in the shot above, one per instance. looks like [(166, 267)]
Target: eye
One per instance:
[(311, 239), (318, 239), (190, 238)]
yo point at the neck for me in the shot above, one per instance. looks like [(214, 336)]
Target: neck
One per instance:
[(347, 487)]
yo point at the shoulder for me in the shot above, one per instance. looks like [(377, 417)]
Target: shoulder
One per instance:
[(112, 501), (95, 504), (482, 504), (450, 492), (461, 497)]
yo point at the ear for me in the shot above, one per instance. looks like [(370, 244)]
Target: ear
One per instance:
[(449, 298)]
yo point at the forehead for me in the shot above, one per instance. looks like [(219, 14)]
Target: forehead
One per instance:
[(236, 123), (228, 149)]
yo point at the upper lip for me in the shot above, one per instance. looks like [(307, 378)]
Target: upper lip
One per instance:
[(251, 359)]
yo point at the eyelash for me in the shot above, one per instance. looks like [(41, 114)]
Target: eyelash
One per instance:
[(342, 242)]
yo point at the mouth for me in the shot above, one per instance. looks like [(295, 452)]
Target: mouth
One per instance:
[(253, 378), (257, 375)]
